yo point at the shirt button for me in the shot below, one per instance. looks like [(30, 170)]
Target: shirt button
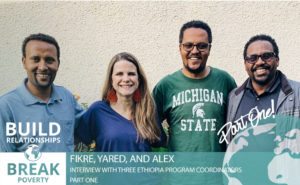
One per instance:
[(257, 98)]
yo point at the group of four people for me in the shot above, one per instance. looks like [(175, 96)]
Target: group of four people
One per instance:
[(196, 101)]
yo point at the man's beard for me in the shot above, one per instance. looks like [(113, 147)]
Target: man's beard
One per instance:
[(263, 82), (41, 86), (195, 71), (266, 80)]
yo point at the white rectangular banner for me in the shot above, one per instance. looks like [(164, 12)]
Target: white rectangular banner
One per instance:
[(32, 167)]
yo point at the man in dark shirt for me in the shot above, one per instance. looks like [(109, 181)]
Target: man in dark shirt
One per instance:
[(266, 93), (263, 122)]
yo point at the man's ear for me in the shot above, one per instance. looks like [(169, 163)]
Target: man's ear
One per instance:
[(23, 61), (277, 62), (245, 67), (209, 48)]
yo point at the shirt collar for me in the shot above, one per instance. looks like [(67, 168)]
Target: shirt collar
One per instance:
[(29, 99), (55, 95)]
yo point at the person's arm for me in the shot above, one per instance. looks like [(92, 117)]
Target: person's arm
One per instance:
[(83, 131), (159, 102), (78, 110), (163, 138), (5, 116), (232, 86)]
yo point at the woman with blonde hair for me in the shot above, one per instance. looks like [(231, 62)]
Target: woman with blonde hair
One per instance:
[(125, 120)]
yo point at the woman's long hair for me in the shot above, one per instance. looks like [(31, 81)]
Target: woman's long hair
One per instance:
[(143, 112)]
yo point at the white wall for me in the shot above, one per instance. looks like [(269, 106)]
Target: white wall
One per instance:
[(90, 33)]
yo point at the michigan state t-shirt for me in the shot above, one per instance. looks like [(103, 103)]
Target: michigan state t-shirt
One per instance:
[(195, 109)]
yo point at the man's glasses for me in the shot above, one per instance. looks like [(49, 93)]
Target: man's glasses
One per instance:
[(201, 46), (267, 57)]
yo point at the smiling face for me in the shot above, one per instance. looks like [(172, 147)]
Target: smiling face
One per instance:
[(125, 79), (262, 72), (194, 61), (41, 64)]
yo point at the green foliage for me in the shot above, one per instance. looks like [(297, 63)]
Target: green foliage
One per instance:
[(85, 105)]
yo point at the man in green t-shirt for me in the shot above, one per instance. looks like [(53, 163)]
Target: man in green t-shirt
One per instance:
[(193, 99)]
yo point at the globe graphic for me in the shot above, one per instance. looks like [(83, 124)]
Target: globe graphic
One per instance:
[(267, 154), (33, 153)]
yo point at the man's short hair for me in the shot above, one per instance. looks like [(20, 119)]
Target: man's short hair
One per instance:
[(40, 37), (262, 37), (196, 24)]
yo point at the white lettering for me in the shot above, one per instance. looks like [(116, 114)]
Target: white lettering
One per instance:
[(183, 125), (195, 95), (212, 96), (220, 98), (10, 129), (198, 126), (51, 126), (187, 100), (176, 102), (206, 95), (254, 116)]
